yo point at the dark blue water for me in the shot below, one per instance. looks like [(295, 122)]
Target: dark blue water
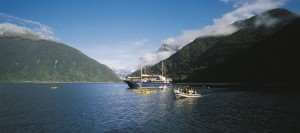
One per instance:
[(112, 108)]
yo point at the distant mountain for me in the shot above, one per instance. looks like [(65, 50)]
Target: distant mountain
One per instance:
[(166, 47), (25, 59), (122, 73), (262, 50)]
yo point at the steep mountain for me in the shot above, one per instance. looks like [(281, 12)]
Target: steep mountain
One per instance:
[(25, 59), (253, 49), (272, 60)]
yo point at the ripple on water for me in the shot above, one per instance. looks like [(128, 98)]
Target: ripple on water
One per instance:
[(113, 108)]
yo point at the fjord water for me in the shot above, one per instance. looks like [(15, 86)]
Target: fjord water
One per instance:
[(112, 108)]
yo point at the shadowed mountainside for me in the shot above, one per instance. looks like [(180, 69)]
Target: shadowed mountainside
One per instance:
[(262, 50)]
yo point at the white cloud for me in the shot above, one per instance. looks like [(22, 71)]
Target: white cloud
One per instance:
[(242, 9), (155, 57), (266, 20), (222, 26), (7, 29), (122, 58), (14, 26)]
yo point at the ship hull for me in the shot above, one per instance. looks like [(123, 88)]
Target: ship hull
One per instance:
[(135, 85), (131, 84)]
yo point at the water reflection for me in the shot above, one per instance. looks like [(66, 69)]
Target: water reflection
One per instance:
[(149, 91), (113, 108), (144, 91)]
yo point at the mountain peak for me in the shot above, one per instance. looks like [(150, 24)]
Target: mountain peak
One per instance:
[(267, 19), (279, 12), (168, 47), (257, 43)]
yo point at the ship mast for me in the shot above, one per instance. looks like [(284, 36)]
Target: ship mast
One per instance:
[(141, 71), (162, 68)]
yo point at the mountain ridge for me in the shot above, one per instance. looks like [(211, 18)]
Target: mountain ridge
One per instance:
[(212, 51), (43, 60)]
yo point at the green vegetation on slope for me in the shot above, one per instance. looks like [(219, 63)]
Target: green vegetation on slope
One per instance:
[(271, 60), (235, 57), (42, 60)]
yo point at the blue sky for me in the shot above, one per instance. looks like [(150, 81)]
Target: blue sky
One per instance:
[(119, 32)]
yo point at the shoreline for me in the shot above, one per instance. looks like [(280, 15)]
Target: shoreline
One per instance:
[(51, 82), (242, 85)]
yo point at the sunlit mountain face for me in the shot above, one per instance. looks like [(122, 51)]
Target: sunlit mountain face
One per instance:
[(29, 51)]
